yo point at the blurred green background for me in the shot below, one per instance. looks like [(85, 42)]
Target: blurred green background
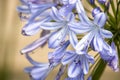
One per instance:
[(12, 63)]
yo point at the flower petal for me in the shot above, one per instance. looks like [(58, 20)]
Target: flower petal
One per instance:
[(70, 17), (35, 44), (98, 42), (60, 50), (57, 38), (106, 33), (73, 38), (100, 19), (39, 72), (66, 9), (23, 9), (84, 42), (34, 27), (90, 58), (79, 28), (31, 29), (74, 70), (34, 62), (52, 25), (69, 57), (55, 14), (85, 65), (96, 11), (81, 12), (56, 56)]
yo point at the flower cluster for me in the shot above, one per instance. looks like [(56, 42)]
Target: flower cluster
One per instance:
[(61, 22)]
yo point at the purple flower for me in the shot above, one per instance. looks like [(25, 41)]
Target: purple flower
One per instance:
[(77, 63), (29, 7), (56, 56), (36, 14), (60, 27), (96, 11), (94, 29), (114, 61), (39, 71)]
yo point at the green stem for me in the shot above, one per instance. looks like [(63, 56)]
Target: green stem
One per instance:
[(113, 6), (99, 69), (116, 15)]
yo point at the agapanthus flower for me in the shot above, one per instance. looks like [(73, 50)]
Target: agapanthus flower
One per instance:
[(96, 32), (56, 56), (60, 22), (113, 63), (96, 11), (60, 27), (38, 13), (77, 63), (38, 71), (34, 8)]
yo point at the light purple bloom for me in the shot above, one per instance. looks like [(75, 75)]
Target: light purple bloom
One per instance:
[(113, 63), (95, 31), (77, 63), (56, 56), (29, 7), (60, 27), (36, 12), (96, 11), (39, 71), (110, 57)]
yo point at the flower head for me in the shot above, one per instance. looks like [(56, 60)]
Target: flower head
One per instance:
[(94, 29), (77, 63)]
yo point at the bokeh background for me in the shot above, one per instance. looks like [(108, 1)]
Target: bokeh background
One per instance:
[(12, 63)]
